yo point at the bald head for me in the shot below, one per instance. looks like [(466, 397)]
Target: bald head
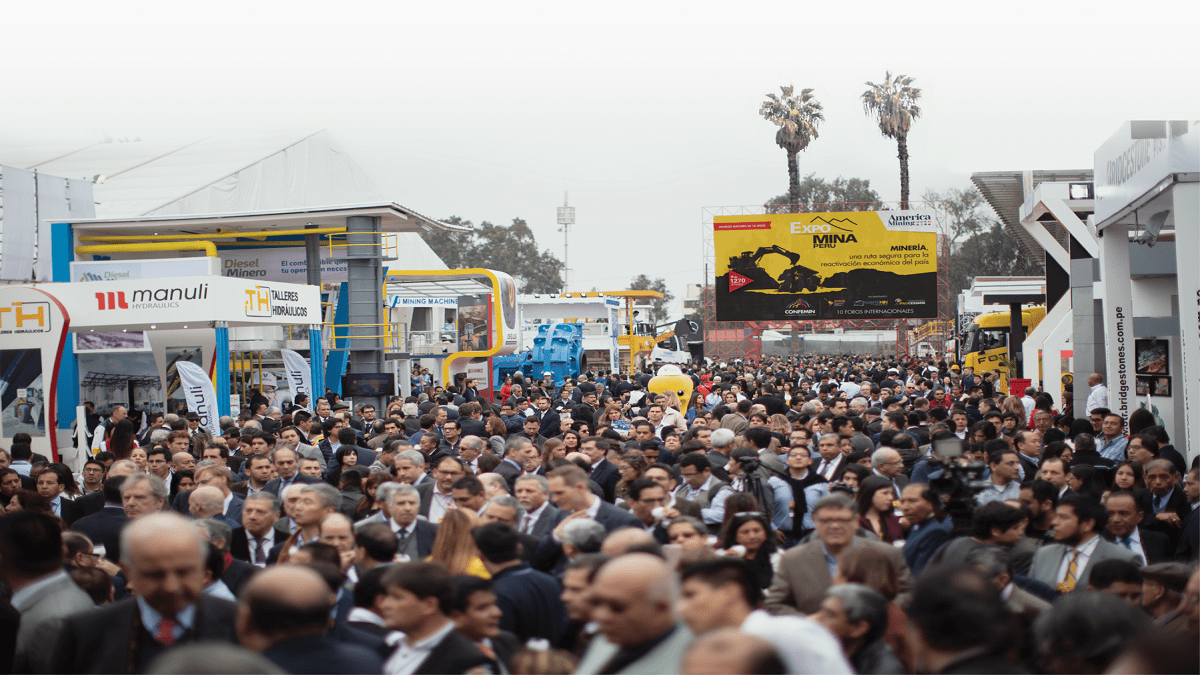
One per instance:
[(634, 597), (282, 603), (622, 540), (164, 557), (206, 502), (729, 650)]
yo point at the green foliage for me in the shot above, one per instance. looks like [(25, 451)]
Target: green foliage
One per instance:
[(658, 308), (817, 194), (512, 250), (991, 252), (966, 211)]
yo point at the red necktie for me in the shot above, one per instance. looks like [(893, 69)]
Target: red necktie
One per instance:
[(166, 632)]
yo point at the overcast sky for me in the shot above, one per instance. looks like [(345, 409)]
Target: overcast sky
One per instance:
[(645, 112)]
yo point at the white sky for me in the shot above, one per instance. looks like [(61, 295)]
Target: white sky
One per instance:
[(645, 111)]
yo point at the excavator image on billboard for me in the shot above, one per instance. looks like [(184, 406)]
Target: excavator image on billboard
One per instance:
[(792, 280)]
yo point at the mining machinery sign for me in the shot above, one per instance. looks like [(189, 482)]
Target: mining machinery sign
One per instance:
[(826, 266)]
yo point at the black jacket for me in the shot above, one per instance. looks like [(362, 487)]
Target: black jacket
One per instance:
[(323, 654), (104, 528), (454, 654)]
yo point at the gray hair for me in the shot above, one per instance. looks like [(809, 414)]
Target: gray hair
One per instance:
[(211, 657), (701, 528), (409, 410), (124, 464), (881, 457), (273, 410), (413, 456), (511, 502), (721, 438), (170, 417), (494, 479), (585, 535), (1164, 464), (834, 500), (809, 408), (516, 443), (271, 500), (215, 530), (386, 491), (157, 487), (253, 424), (402, 489), (991, 560), (329, 495), (473, 442), (861, 603), (159, 435), (541, 481)]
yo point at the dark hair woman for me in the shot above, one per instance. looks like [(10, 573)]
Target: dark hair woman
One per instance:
[(876, 510), (752, 531)]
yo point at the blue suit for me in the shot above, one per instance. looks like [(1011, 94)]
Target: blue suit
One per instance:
[(924, 541)]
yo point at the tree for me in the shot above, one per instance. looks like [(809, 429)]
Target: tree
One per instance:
[(797, 117), (512, 250), (893, 104), (965, 211), (991, 252), (817, 194), (658, 306)]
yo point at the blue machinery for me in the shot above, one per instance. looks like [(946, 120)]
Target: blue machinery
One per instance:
[(557, 349)]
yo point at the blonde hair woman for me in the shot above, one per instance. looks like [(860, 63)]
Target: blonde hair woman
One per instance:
[(455, 548)]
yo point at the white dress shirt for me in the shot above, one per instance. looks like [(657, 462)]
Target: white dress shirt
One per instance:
[(1097, 398), (531, 518), (408, 657), (1135, 543), (1085, 554)]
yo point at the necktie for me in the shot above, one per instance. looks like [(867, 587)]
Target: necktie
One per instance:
[(525, 524), (401, 539), (166, 632), (260, 551), (1068, 583), (1158, 504), (1127, 543)]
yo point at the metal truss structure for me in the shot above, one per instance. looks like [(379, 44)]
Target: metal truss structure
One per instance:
[(729, 340)]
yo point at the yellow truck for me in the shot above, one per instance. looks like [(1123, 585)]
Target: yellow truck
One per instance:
[(985, 343)]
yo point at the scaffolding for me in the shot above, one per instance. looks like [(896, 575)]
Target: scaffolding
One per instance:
[(729, 340)]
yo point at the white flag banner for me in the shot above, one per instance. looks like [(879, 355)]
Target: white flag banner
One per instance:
[(200, 395), (298, 374)]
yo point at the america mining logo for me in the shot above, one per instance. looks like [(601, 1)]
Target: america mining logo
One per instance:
[(800, 307)]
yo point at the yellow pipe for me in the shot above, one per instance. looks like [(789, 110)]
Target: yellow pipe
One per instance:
[(208, 247), (219, 235)]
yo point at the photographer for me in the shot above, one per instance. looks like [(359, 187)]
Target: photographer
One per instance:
[(774, 495)]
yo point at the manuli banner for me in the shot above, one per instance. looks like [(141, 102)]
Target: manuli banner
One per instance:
[(826, 266), (200, 395)]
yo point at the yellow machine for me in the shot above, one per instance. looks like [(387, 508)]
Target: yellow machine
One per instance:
[(629, 338), (985, 345)]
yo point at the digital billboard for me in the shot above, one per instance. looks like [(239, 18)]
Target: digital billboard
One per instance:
[(826, 266)]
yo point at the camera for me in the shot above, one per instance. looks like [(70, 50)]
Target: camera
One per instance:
[(961, 481)]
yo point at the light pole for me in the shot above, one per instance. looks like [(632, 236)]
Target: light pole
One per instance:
[(566, 218)]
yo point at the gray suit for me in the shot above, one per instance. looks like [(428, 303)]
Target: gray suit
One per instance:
[(309, 452), (802, 576), (665, 657), (41, 616), (1049, 558), (546, 521)]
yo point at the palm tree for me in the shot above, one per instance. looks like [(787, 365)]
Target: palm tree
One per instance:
[(893, 103), (797, 117)]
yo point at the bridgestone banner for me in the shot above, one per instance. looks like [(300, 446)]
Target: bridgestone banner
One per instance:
[(298, 374), (822, 266), (200, 395)]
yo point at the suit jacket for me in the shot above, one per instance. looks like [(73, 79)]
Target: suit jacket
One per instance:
[(734, 422), (549, 553), (420, 545), (272, 485), (104, 528), (921, 545), (239, 544), (1156, 546), (233, 513), (323, 654), (90, 503), (98, 640), (839, 466), (802, 576), (510, 473), (473, 427), (42, 615), (71, 511), (1176, 503), (606, 476), (550, 423), (237, 574), (1049, 558), (454, 654), (1189, 539), (665, 657), (717, 463), (546, 522), (425, 490)]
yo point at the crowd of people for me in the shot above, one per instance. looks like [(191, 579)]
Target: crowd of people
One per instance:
[(849, 514)]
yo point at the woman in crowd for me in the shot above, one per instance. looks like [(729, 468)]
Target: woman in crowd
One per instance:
[(570, 439), (853, 476), (138, 455), (28, 499), (1013, 405), (673, 414), (876, 510), (181, 481), (345, 457), (631, 466), (496, 433), (454, 547), (369, 505), (1085, 479), (122, 441), (552, 449), (752, 531), (871, 568)]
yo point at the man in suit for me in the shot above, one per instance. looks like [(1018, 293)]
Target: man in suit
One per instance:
[(220, 477), (260, 532), (736, 421), (517, 451), (951, 619), (1124, 515), (105, 527), (1067, 564), (549, 421), (928, 533), (532, 492), (31, 564), (302, 646), (568, 486), (165, 562), (417, 603), (218, 534), (603, 472), (506, 509), (415, 535), (50, 485), (436, 499), (288, 469), (637, 630), (805, 572), (528, 599), (470, 420), (888, 463), (832, 462), (1170, 506)]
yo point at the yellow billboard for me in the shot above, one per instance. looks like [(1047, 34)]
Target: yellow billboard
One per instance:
[(810, 266)]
